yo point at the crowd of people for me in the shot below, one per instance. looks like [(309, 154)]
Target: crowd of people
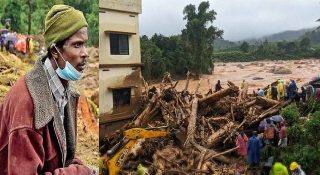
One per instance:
[(280, 90), (13, 42), (288, 90), (249, 150), (271, 131), (283, 90)]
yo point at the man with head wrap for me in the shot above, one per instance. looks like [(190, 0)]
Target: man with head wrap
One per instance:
[(38, 115)]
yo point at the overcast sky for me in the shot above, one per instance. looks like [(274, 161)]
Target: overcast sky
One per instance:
[(240, 19)]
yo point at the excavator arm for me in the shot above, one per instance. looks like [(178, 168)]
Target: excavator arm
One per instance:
[(119, 153)]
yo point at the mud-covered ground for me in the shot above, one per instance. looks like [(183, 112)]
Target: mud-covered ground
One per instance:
[(88, 132)]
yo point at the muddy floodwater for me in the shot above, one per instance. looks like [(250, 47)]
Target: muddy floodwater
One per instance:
[(257, 74)]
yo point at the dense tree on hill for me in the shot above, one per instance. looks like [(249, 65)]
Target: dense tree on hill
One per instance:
[(190, 50), (30, 4), (12, 11), (244, 47), (93, 22), (199, 36), (174, 57), (314, 36), (28, 17), (154, 63), (291, 47), (3, 4), (174, 52), (305, 44)]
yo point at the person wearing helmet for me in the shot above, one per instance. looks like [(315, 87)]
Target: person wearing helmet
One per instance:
[(218, 86), (279, 169), (295, 169)]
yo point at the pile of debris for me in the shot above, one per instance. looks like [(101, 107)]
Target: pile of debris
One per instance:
[(209, 122), (11, 68)]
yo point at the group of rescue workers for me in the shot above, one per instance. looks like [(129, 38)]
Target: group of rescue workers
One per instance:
[(249, 150), (288, 90), (280, 90), (283, 90), (271, 131)]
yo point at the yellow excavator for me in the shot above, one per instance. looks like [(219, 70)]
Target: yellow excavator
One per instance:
[(118, 154)]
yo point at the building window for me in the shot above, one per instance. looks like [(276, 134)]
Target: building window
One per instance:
[(121, 97), (119, 44)]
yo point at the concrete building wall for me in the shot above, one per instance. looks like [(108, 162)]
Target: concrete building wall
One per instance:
[(122, 23), (121, 5), (117, 72), (117, 78)]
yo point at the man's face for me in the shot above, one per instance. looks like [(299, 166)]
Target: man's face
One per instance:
[(74, 50)]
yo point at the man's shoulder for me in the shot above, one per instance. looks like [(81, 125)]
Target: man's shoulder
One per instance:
[(19, 90), (18, 106), (21, 95)]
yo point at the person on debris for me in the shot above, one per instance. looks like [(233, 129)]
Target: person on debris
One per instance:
[(242, 84), (292, 90), (279, 169), (254, 146), (274, 93), (218, 86), (242, 144), (38, 116), (269, 131), (243, 89), (283, 139), (269, 92), (296, 169), (310, 92), (260, 92), (280, 90)]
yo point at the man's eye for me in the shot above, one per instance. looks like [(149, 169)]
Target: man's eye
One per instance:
[(78, 45)]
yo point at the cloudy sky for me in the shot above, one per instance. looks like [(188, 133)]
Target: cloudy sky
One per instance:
[(240, 19)]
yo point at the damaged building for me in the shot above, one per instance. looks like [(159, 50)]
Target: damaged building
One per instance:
[(120, 61)]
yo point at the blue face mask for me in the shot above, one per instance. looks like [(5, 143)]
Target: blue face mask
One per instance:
[(68, 72)]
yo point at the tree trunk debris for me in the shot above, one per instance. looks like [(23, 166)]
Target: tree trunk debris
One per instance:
[(210, 122)]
